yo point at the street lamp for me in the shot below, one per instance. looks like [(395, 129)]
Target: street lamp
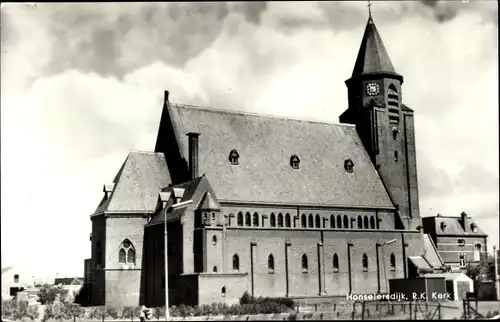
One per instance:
[(167, 211), (383, 261)]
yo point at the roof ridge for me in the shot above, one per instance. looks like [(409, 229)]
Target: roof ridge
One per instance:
[(236, 112), (143, 152)]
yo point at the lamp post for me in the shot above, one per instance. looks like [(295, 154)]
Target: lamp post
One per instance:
[(383, 261), (167, 211)]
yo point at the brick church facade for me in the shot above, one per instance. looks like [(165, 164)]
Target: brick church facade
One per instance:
[(280, 207)]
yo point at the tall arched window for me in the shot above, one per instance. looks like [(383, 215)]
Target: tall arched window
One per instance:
[(126, 254), (236, 262), (364, 261), (288, 222), (223, 291), (339, 222), (332, 221), (393, 261), (214, 240), (477, 252), (372, 222), (335, 263), (256, 219), (317, 221), (272, 220), (303, 221), (365, 222), (240, 219), (270, 264), (305, 265), (280, 220), (248, 219), (360, 222), (346, 222), (214, 269), (311, 221)]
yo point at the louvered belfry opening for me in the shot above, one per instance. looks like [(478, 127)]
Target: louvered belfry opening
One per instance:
[(393, 104)]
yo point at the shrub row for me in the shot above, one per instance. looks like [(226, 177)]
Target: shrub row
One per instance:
[(249, 299), (224, 309), (13, 310)]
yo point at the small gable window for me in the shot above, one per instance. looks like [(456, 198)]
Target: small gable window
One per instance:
[(270, 264), (461, 242), (365, 263), (393, 262), (233, 157), (443, 226), (294, 161), (349, 165), (16, 278), (473, 227), (305, 266)]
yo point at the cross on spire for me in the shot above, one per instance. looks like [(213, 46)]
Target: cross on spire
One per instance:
[(369, 9)]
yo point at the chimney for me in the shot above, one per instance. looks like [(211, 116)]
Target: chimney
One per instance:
[(108, 189), (193, 155), (463, 217), (165, 100)]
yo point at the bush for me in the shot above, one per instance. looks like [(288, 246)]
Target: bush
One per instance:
[(111, 312), (11, 309), (96, 313), (48, 294), (159, 311)]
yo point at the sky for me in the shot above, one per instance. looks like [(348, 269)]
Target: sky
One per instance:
[(82, 85)]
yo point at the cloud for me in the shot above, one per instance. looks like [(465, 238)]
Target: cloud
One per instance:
[(82, 85)]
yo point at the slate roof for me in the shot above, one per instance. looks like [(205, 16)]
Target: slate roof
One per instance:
[(431, 253), (372, 55), (265, 144), (453, 227), (190, 188), (208, 202), (137, 184)]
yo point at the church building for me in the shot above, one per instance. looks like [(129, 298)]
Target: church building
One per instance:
[(280, 206)]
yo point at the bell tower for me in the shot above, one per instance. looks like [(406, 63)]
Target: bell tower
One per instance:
[(384, 124)]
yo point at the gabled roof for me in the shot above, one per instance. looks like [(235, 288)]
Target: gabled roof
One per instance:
[(190, 188), (420, 263), (372, 56), (265, 144), (209, 202), (137, 184)]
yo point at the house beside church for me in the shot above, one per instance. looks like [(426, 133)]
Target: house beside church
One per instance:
[(280, 206)]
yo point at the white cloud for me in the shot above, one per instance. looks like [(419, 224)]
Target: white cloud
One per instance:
[(75, 104)]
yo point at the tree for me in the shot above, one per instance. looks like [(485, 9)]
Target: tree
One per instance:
[(48, 294), (483, 271)]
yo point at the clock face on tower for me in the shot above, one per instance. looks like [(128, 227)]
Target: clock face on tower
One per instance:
[(372, 89)]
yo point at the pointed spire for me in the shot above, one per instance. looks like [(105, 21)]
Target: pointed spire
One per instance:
[(372, 55)]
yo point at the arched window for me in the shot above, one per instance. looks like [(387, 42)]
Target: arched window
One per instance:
[(214, 240), (236, 262), (223, 291), (270, 264), (256, 219), (215, 269), (303, 221), (272, 220), (365, 222), (393, 261), (248, 219), (233, 157), (372, 222), (318, 221), (288, 222), (280, 220), (305, 266), (240, 219), (335, 263), (332, 221), (311, 221), (346, 222), (365, 262), (360, 222), (396, 156), (126, 254), (339, 221)]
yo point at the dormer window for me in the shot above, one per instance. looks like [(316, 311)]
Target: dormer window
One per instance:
[(233, 157), (473, 227), (294, 161), (348, 165), (443, 226)]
